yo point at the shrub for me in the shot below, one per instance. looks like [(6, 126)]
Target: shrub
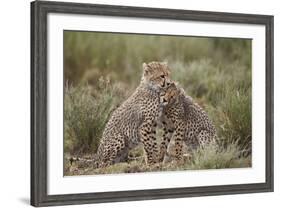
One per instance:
[(86, 111), (212, 157)]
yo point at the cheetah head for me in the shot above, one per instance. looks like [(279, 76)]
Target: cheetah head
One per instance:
[(156, 74), (170, 94)]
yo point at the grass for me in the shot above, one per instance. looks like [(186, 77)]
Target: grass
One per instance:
[(86, 112), (213, 158), (103, 69), (209, 158)]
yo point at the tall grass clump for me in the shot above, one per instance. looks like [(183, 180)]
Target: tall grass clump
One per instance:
[(86, 111), (235, 117), (212, 157)]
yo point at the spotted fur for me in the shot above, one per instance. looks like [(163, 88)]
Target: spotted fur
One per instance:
[(185, 120), (135, 120)]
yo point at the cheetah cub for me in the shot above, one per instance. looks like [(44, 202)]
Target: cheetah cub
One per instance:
[(135, 120), (185, 120)]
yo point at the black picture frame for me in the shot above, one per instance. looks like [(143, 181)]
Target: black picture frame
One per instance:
[(39, 98)]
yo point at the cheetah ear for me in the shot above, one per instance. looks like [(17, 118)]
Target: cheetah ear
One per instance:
[(145, 68)]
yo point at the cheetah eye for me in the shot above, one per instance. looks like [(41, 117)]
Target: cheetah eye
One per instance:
[(162, 76)]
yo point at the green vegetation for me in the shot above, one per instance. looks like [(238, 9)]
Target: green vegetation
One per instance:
[(86, 111), (103, 69)]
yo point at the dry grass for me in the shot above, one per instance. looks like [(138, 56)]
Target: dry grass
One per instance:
[(209, 158)]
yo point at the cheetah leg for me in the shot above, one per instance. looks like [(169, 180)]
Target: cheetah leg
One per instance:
[(113, 153), (148, 138), (105, 160), (179, 135), (167, 135), (205, 138), (118, 153)]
